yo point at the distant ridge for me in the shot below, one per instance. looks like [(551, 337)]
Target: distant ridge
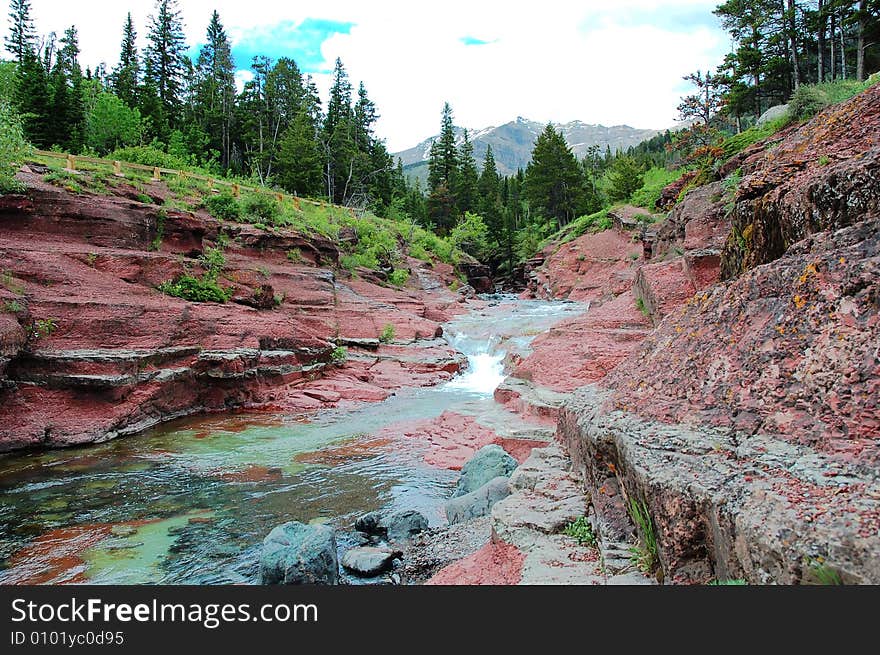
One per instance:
[(512, 143)]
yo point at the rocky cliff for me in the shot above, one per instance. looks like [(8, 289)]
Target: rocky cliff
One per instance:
[(91, 350), (728, 429)]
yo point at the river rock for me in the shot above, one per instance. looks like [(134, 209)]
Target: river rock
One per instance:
[(402, 526), (368, 560), (488, 463), (295, 554), (369, 524), (477, 503)]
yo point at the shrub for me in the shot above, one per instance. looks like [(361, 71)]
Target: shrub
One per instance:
[(387, 335), (223, 207), (294, 255), (12, 307), (807, 101), (640, 304), (339, 355), (149, 156), (398, 277), (13, 147), (196, 289), (471, 235), (258, 207), (44, 328), (213, 260)]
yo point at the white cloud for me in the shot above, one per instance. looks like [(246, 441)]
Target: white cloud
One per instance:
[(592, 61)]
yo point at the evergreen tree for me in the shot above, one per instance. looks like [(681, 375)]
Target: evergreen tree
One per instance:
[(468, 178), (67, 113), (166, 63), (443, 167), (32, 100), (339, 139), (22, 38), (300, 161), (553, 180), (626, 177), (125, 78), (214, 91)]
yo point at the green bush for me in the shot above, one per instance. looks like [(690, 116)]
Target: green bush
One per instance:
[(149, 156), (196, 289), (398, 277), (471, 235), (261, 208), (807, 101), (213, 260), (339, 355), (13, 147), (388, 333), (223, 207)]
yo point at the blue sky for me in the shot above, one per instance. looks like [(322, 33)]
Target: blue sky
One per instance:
[(614, 63), (300, 40)]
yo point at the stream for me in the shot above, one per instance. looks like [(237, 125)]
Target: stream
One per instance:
[(190, 502)]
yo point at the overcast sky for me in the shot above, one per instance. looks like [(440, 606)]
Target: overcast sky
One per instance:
[(600, 61)]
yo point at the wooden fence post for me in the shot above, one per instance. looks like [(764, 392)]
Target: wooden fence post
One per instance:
[(71, 163), (296, 202), (279, 197), (236, 190), (157, 176), (117, 169)]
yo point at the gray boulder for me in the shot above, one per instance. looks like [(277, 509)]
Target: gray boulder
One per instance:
[(402, 526), (488, 463), (369, 561), (772, 114), (297, 554), (477, 503), (369, 524)]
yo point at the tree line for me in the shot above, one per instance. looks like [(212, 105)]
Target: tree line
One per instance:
[(157, 100)]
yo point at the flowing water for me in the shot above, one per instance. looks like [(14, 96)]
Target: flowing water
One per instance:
[(190, 502)]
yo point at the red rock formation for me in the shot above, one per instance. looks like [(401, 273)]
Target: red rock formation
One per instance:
[(97, 352)]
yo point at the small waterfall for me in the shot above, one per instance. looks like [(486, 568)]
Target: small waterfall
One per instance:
[(485, 369)]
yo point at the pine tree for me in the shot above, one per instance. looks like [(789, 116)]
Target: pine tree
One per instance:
[(443, 168), (489, 198), (32, 100), (126, 75), (300, 162), (214, 90), (339, 139), (67, 113), (468, 178), (22, 37), (166, 67), (553, 180)]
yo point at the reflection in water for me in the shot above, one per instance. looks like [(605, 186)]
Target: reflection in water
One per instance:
[(190, 502)]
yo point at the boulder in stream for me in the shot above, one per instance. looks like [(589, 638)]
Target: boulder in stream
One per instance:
[(369, 561), (487, 464), (403, 526), (295, 554), (477, 503)]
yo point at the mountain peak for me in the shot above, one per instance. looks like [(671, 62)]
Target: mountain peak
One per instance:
[(512, 143)]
